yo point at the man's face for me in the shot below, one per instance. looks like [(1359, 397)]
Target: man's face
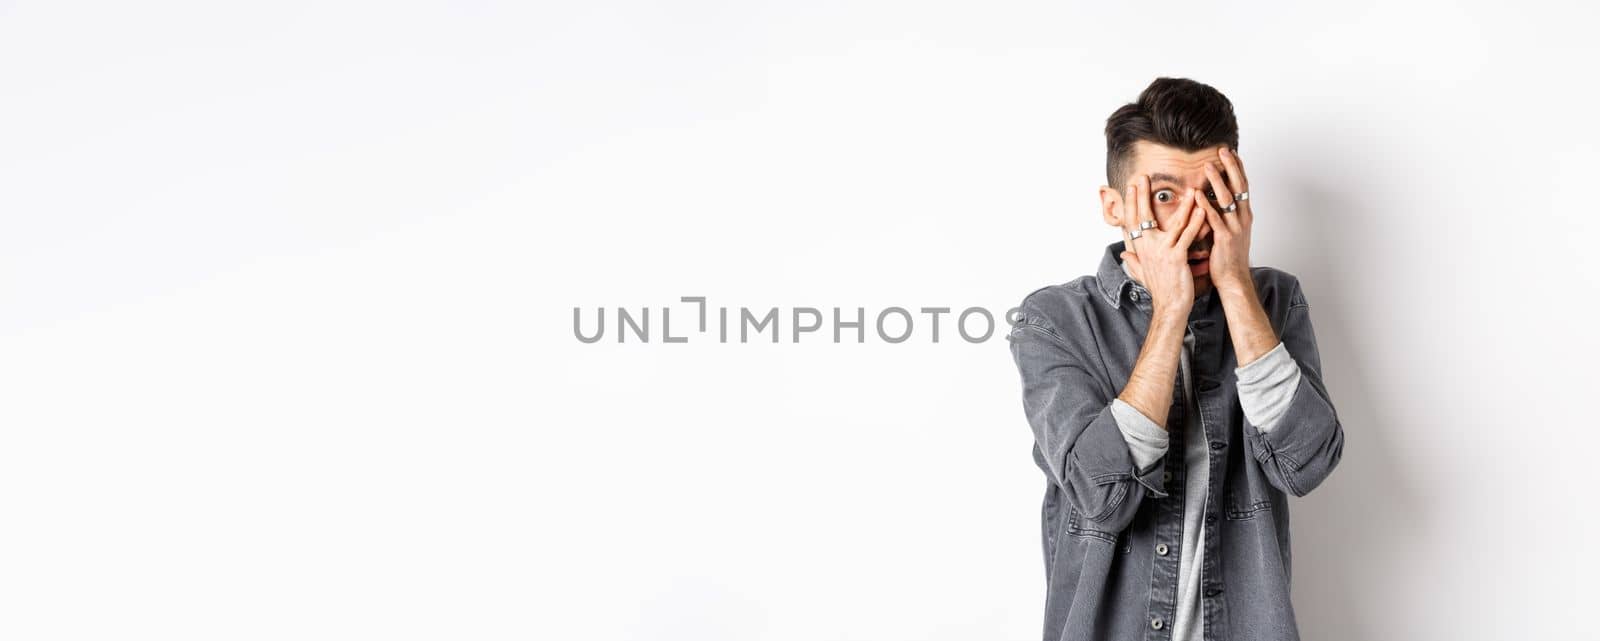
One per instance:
[(1172, 172)]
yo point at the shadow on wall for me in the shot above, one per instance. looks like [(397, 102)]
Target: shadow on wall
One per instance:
[(1354, 531)]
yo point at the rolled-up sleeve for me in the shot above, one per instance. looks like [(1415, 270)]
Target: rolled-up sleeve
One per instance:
[(1298, 441), (1086, 450), (1266, 386), (1146, 440)]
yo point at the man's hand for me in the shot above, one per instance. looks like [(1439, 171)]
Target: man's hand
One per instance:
[(1230, 232), (1160, 257), (1230, 262)]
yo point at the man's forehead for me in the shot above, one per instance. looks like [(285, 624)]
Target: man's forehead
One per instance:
[(1172, 163)]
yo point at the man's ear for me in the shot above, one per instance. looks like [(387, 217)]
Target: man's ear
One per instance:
[(1111, 205)]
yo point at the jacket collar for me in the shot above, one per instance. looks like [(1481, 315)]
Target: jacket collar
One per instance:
[(1115, 281)]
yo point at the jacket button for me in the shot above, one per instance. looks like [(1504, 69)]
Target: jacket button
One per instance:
[(1156, 623), (1161, 549), (1166, 477), (1213, 591), (1217, 445), (1135, 295)]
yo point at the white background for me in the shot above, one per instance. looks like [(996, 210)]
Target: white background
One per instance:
[(287, 342)]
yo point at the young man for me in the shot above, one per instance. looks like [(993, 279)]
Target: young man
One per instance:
[(1175, 396)]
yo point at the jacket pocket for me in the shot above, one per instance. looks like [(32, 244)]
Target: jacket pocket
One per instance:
[(1248, 494), (1243, 506), (1081, 527)]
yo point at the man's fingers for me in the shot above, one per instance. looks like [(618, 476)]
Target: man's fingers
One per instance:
[(1235, 171), (1219, 227), (1130, 213), (1181, 218), (1143, 195), (1237, 181), (1197, 219), (1224, 196)]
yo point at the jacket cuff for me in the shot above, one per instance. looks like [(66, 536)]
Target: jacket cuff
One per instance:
[(1266, 387), (1102, 455)]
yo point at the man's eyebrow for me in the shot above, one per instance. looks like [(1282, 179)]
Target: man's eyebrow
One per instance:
[(1160, 177)]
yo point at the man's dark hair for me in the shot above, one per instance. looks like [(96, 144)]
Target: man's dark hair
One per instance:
[(1174, 112)]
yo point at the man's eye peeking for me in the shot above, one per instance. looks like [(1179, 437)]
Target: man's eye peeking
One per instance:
[(1165, 196)]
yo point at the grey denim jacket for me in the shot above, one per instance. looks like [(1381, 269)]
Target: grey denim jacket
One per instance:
[(1103, 519)]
